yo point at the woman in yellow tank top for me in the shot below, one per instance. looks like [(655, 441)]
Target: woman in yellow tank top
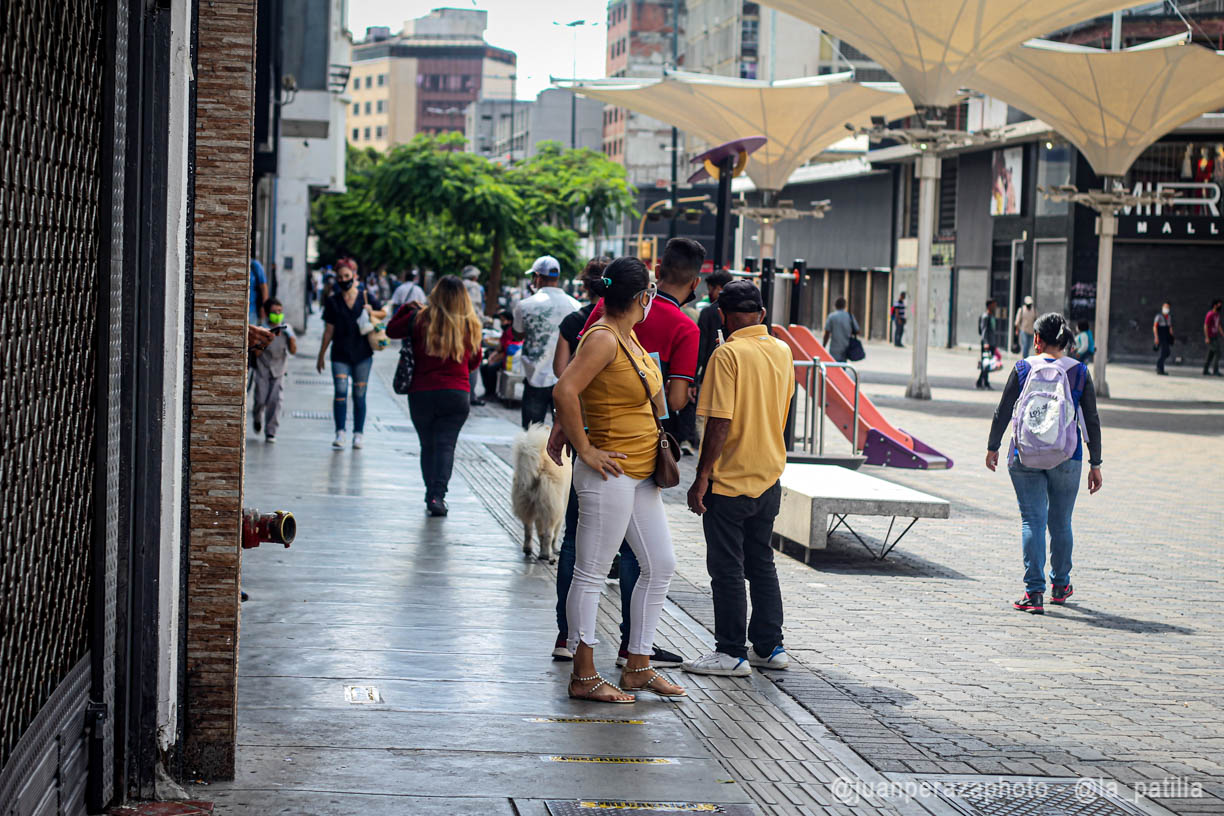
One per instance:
[(613, 477)]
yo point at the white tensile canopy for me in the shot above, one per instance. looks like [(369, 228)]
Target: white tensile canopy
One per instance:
[(799, 117), (1110, 104), (933, 46)]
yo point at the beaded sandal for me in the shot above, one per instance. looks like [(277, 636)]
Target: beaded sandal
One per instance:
[(587, 695), (654, 675)]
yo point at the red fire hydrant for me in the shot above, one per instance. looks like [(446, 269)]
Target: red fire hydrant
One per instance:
[(275, 528)]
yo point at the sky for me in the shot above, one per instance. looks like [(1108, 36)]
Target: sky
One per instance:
[(523, 26)]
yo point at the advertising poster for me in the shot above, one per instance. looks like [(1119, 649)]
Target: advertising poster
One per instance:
[(1006, 178)]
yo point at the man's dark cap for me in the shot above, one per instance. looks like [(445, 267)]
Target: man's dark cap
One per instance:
[(740, 296)]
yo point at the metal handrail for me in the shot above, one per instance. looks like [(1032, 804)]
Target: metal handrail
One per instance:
[(815, 429)]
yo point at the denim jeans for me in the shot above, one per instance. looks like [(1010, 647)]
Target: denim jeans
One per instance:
[(629, 570), (1026, 344), (359, 373), (537, 404), (738, 533), (1046, 498), (438, 416)]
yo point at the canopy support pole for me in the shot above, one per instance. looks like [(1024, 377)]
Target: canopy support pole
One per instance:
[(722, 227), (928, 175), (1107, 228)]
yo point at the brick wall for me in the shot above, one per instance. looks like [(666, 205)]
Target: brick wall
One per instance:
[(223, 128)]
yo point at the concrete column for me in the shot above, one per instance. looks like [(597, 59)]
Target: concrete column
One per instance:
[(824, 303), (1107, 228), (928, 176)]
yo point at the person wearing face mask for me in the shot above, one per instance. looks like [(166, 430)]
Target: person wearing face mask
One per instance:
[(1162, 336), (608, 418), (270, 366), (669, 332), (351, 355)]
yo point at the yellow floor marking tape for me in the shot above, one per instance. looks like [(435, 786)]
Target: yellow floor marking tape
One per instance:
[(611, 760), (581, 720)]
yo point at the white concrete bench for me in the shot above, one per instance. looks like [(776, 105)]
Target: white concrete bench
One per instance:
[(816, 499)]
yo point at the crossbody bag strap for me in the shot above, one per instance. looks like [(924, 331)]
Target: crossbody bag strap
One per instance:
[(641, 374)]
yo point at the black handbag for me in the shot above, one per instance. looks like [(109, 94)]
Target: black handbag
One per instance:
[(854, 350), (407, 362)]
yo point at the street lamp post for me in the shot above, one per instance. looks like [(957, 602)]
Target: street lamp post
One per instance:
[(573, 26)]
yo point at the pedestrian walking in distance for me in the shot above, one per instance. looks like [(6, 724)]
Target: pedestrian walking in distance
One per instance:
[(1162, 336), (1213, 334), (537, 321), (839, 327), (898, 319), (445, 337), (1047, 398), (270, 367), (745, 398), (988, 343), (351, 355), (609, 418), (1026, 315)]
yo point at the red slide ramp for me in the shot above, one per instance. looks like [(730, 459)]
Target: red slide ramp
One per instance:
[(879, 440)]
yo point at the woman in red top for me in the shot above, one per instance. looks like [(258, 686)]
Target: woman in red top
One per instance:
[(445, 337)]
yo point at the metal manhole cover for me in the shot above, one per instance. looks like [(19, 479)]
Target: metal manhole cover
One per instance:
[(1030, 796), (599, 807), (311, 415)]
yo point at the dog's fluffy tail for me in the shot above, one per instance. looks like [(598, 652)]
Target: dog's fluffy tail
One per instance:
[(528, 448)]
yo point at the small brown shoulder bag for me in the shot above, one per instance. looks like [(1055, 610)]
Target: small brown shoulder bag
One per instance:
[(667, 455)]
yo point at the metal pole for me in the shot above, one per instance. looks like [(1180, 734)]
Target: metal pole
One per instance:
[(796, 304), (1115, 40), (767, 289), (722, 228), (675, 134), (928, 175), (573, 95), (1107, 228)]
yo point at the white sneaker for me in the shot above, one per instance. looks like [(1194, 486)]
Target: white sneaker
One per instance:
[(357, 441), (723, 665), (777, 659), (338, 442)]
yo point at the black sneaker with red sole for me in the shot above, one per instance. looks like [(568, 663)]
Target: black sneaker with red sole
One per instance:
[(1031, 602), (1060, 594)]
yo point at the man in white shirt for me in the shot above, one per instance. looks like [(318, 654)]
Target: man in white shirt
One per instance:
[(537, 322), (407, 292), (471, 282)]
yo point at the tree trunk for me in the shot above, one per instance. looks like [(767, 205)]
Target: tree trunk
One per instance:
[(493, 294)]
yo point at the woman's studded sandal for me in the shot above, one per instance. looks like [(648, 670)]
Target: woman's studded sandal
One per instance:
[(588, 694), (650, 684)]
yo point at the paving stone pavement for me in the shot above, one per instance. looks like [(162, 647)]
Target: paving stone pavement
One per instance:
[(920, 665), (912, 665)]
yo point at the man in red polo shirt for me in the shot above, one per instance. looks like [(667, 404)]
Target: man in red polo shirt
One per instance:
[(667, 331)]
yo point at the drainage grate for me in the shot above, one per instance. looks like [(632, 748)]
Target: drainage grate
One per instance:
[(399, 428), (311, 415), (1030, 796), (596, 807), (312, 381)]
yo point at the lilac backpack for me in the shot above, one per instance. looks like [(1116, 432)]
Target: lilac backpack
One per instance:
[(1045, 419)]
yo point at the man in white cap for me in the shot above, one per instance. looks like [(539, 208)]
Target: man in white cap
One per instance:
[(471, 282), (537, 322), (1026, 315)]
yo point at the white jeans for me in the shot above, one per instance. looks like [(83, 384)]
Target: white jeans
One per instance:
[(610, 511)]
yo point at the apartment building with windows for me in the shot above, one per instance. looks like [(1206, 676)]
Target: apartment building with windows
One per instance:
[(423, 79), (639, 45)]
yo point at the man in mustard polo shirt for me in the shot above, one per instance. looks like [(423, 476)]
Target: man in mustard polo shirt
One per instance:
[(745, 398)]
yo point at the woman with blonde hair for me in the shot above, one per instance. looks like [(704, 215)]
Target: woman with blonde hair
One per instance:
[(445, 338)]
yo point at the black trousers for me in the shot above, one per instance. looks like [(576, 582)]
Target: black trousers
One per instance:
[(488, 376), (537, 404), (438, 416), (738, 530), (1166, 351)]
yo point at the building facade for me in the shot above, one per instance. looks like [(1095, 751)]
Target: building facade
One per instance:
[(640, 34), (423, 79)]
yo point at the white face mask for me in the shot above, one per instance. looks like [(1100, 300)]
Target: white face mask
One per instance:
[(650, 296), (1164, 309)]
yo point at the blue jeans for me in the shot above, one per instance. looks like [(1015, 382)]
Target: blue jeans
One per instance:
[(629, 570), (359, 373), (1047, 498), (1026, 344)]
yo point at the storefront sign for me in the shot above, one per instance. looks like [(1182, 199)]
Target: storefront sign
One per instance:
[(1193, 215)]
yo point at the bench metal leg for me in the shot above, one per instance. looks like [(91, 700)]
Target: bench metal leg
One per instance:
[(886, 548)]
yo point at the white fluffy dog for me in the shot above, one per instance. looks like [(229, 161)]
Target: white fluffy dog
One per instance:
[(540, 491)]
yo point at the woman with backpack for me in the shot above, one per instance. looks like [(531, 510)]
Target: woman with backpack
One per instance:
[(1048, 398)]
